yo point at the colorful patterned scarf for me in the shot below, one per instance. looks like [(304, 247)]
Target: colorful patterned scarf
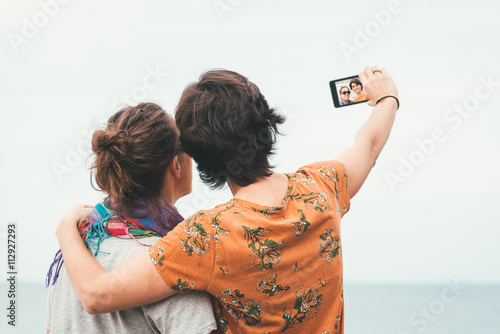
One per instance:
[(102, 223)]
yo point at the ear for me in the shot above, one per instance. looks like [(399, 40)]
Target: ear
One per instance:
[(175, 167)]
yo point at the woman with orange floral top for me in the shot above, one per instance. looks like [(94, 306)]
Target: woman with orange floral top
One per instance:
[(271, 257), (357, 86)]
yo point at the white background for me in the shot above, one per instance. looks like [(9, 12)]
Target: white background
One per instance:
[(441, 223)]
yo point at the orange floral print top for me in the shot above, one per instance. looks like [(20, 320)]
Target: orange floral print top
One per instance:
[(362, 97), (269, 269)]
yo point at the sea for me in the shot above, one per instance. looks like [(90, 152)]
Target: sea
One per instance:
[(447, 308)]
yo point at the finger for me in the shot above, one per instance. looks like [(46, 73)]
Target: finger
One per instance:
[(81, 205), (384, 72), (369, 72), (376, 70), (362, 76)]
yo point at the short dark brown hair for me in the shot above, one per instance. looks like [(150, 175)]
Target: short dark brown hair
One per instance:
[(132, 154), (356, 81), (228, 128)]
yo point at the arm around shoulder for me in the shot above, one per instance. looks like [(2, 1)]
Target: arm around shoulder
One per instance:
[(135, 282)]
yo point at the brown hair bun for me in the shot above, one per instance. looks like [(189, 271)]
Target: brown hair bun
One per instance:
[(132, 154)]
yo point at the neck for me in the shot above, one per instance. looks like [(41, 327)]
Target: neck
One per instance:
[(168, 193), (263, 182), (233, 187), (268, 190), (169, 198)]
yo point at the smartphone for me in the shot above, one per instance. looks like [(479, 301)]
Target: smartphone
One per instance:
[(348, 91)]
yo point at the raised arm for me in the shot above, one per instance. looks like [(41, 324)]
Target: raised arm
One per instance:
[(135, 282), (372, 136)]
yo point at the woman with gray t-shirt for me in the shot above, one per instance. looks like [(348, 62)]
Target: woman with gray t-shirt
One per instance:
[(139, 165)]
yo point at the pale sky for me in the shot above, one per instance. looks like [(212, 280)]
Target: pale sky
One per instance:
[(435, 220)]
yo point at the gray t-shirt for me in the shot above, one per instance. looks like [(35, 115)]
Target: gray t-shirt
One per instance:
[(191, 313)]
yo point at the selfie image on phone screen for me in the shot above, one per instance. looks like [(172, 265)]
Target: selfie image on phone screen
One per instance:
[(348, 91)]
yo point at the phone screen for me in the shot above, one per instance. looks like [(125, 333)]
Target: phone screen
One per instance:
[(348, 91)]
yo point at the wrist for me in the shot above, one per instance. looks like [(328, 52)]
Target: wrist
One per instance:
[(388, 100)]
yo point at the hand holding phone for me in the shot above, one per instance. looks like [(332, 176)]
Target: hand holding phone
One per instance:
[(378, 83)]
